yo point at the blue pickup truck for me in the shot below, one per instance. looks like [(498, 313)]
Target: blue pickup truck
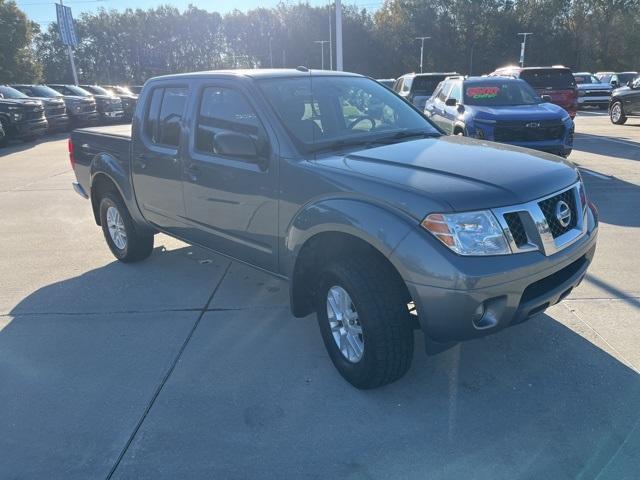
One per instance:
[(501, 109), (379, 222)]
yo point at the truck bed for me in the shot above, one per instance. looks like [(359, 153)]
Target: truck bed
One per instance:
[(109, 143)]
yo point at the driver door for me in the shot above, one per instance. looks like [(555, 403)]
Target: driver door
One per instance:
[(231, 198)]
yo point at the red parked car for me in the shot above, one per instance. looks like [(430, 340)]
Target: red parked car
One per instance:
[(555, 82)]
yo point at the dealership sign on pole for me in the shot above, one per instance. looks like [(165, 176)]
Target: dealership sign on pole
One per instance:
[(65, 26), (67, 34)]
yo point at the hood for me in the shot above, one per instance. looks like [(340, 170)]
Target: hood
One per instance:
[(105, 97), (541, 111), (21, 102), (594, 86), (78, 98), (464, 173), (50, 101)]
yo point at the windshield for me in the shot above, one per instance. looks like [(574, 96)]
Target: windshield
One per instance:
[(39, 91), (121, 90), (97, 90), (320, 111), (72, 90), (426, 85), (586, 79), (548, 78), (499, 94), (8, 92), (623, 78)]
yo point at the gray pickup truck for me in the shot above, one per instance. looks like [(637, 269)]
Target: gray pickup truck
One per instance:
[(379, 222)]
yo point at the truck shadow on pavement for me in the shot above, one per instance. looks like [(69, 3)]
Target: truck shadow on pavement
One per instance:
[(254, 394), (618, 147), (20, 146), (614, 198)]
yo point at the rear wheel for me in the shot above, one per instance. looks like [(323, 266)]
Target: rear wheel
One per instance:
[(364, 322), (127, 242), (616, 113)]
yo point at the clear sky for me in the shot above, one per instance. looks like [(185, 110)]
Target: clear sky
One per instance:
[(44, 11)]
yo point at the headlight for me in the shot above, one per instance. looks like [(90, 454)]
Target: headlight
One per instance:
[(566, 118), (17, 116), (468, 233)]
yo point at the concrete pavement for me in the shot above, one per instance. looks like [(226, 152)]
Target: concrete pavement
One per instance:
[(189, 366)]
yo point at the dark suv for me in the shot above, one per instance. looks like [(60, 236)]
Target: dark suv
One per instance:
[(80, 109), (418, 87), (109, 108), (21, 117), (555, 82), (617, 79), (625, 102), (129, 99), (54, 106)]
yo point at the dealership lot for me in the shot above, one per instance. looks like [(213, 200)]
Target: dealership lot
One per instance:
[(190, 366)]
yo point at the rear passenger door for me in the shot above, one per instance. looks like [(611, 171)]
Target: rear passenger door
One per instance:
[(230, 196), (450, 113), (156, 150)]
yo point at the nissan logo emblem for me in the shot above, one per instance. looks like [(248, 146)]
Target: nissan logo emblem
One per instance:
[(563, 213)]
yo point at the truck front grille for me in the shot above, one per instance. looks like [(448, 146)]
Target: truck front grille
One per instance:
[(528, 131), (538, 225), (548, 208), (55, 111)]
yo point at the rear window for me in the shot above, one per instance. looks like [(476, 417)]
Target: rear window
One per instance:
[(551, 78), (426, 85)]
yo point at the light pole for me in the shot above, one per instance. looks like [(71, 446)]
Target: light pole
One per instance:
[(338, 35), (523, 46), (322, 42), (422, 39), (270, 53)]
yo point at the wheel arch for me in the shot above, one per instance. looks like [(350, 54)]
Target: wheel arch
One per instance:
[(325, 231)]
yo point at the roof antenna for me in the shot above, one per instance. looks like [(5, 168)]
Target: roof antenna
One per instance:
[(302, 68)]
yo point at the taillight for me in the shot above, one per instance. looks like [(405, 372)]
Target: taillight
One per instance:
[(72, 158)]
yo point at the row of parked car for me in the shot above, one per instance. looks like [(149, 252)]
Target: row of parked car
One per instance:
[(28, 111), (531, 107)]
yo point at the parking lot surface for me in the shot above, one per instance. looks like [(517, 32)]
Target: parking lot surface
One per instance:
[(188, 365)]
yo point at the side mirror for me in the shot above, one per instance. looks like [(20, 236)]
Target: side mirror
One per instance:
[(451, 102), (615, 84), (546, 98), (460, 108), (234, 144)]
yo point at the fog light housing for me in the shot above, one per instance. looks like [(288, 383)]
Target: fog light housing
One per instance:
[(479, 313)]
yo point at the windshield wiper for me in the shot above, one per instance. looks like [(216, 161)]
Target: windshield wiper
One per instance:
[(404, 134)]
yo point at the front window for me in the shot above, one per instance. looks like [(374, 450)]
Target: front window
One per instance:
[(499, 93), (319, 111), (8, 92)]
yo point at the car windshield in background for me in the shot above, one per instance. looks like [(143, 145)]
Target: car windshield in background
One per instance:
[(8, 92), (333, 110), (44, 91), (499, 94), (551, 78), (80, 92), (98, 90), (586, 79), (426, 85), (624, 78)]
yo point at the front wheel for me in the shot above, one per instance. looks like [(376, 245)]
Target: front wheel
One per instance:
[(364, 322), (126, 242), (616, 113)]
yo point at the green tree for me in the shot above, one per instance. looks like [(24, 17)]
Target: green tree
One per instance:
[(17, 58)]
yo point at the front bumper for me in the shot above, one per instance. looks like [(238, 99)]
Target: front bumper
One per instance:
[(508, 295), (112, 116), (32, 128), (59, 122), (593, 101), (85, 119)]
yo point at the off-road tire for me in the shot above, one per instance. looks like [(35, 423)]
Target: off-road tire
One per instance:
[(387, 328), (139, 242)]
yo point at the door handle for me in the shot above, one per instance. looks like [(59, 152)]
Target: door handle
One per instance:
[(192, 172), (141, 160)]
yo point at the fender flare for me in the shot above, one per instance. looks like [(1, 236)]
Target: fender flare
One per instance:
[(379, 226), (105, 164)]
